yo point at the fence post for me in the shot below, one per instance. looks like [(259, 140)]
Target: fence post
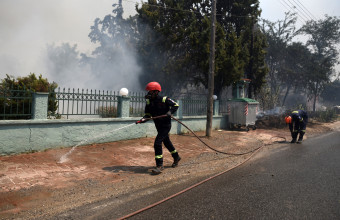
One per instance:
[(123, 106), (179, 112), (216, 107), (40, 105)]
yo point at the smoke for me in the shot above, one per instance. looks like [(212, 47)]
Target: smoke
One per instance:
[(49, 38), (118, 69), (63, 65), (111, 71)]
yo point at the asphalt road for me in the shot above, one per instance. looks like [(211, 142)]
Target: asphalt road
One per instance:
[(297, 181)]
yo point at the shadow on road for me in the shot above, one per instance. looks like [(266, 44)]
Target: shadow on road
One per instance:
[(133, 169)]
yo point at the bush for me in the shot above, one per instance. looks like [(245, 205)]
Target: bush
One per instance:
[(107, 112), (327, 116), (21, 88), (324, 116)]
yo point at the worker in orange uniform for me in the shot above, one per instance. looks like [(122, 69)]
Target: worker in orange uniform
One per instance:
[(157, 105), (297, 121)]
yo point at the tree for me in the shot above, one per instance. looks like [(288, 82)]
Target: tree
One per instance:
[(295, 68), (63, 63), (331, 93), (279, 37), (181, 40), (110, 32), (324, 35), (114, 60), (257, 68), (230, 66), (171, 42), (242, 18), (179, 44), (164, 42)]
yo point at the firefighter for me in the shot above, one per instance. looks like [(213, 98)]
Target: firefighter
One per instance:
[(157, 105), (297, 124)]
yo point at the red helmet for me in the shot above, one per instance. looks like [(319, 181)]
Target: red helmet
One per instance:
[(153, 86), (288, 119)]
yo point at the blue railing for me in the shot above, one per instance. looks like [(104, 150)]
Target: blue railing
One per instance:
[(15, 103), (73, 103), (137, 104), (86, 102), (194, 106)]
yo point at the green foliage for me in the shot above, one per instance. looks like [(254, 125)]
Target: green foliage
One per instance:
[(258, 69), (325, 116), (324, 35), (282, 55), (170, 42), (243, 16), (175, 42), (27, 84), (14, 103), (301, 67), (267, 98)]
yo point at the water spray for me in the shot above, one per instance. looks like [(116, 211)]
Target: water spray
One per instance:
[(64, 158)]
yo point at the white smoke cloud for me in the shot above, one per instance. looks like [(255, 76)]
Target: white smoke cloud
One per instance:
[(27, 27)]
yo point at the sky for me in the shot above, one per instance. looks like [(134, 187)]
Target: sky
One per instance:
[(27, 27), (274, 9)]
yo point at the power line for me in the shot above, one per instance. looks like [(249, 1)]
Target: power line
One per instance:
[(306, 16), (315, 18), (303, 10), (294, 9), (289, 10)]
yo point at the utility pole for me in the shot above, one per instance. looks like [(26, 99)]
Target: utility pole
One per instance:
[(211, 70), (251, 64)]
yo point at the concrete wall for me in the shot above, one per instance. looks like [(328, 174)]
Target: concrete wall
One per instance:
[(19, 136)]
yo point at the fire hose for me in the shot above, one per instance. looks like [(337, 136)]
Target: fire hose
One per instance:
[(199, 183), (207, 145)]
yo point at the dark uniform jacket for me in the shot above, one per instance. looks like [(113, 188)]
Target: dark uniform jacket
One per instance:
[(160, 106), (299, 120)]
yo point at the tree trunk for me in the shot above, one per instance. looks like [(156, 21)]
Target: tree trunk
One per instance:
[(210, 100), (314, 102), (286, 94)]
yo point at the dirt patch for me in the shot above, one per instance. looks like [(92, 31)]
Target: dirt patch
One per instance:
[(36, 185)]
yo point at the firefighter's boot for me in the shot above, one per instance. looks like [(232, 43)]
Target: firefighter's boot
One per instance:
[(301, 136), (176, 157), (294, 136), (157, 170), (176, 160)]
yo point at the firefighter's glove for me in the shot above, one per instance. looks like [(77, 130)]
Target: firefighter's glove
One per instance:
[(143, 120), (169, 114)]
